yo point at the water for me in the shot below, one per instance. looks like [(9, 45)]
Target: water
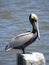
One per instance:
[(14, 20)]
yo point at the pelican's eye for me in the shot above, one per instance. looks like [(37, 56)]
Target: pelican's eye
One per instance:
[(35, 20)]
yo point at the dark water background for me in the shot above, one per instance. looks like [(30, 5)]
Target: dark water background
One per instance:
[(14, 20)]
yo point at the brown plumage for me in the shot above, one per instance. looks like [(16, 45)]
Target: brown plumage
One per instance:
[(23, 40)]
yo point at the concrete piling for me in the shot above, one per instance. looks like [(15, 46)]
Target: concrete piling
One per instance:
[(35, 58)]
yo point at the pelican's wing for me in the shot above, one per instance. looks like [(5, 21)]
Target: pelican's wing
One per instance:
[(21, 39)]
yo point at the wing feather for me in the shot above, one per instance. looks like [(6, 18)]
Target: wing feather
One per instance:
[(21, 39)]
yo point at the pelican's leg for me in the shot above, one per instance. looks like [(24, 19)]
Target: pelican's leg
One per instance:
[(23, 51)]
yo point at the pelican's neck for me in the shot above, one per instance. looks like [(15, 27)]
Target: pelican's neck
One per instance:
[(34, 29)]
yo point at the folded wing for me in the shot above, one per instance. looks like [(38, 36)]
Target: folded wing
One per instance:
[(21, 39)]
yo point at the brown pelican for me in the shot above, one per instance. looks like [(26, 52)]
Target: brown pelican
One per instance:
[(23, 40)]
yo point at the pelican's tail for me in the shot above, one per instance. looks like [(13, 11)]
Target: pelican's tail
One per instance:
[(7, 48)]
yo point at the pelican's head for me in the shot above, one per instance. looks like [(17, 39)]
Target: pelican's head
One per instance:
[(34, 21)]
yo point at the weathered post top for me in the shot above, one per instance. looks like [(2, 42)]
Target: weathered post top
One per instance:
[(35, 58)]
